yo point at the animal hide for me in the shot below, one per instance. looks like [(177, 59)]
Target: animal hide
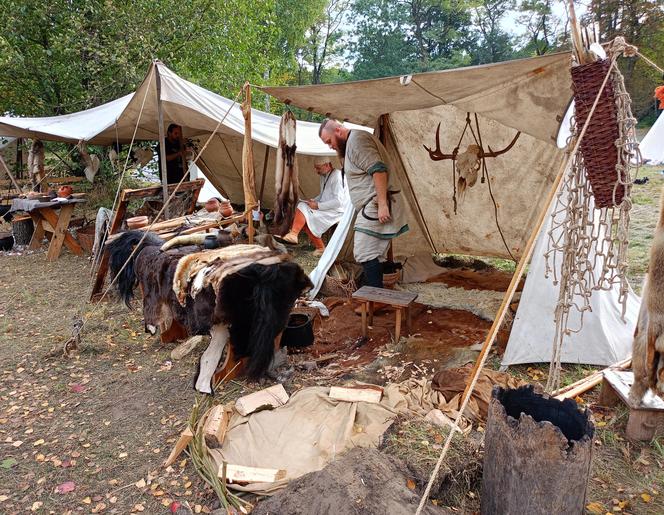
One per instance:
[(648, 346), (286, 175), (90, 162), (36, 157), (248, 288)]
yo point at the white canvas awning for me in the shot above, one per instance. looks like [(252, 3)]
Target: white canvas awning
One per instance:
[(199, 112)]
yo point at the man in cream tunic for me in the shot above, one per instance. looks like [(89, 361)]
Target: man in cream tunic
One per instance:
[(320, 213), (374, 193)]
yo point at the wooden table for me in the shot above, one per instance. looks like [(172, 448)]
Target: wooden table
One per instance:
[(54, 218), (400, 300)]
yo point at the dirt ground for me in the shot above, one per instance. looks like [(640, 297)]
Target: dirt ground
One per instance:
[(88, 433)]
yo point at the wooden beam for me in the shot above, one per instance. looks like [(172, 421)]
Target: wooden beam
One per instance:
[(269, 398), (162, 139)]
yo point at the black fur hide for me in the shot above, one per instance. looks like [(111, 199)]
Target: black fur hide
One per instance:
[(254, 303)]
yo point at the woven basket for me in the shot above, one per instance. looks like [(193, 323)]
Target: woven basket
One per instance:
[(389, 280), (598, 147)]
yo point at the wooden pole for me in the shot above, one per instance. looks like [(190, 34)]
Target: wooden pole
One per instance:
[(518, 273), (162, 139), (266, 158), (11, 176), (248, 179)]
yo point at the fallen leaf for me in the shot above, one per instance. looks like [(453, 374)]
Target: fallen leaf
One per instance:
[(98, 508), (175, 506), (140, 484), (87, 500), (36, 505), (39, 442), (138, 507), (66, 487), (75, 454), (123, 455), (410, 484), (77, 388), (17, 443), (198, 508), (8, 463), (646, 497), (595, 507), (3, 498)]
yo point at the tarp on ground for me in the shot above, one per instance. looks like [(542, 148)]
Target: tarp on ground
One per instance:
[(199, 111), (652, 145)]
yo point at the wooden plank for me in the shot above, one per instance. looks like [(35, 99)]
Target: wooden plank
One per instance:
[(38, 234), (184, 439), (363, 393), (241, 474), (50, 215), (392, 297), (621, 382), (216, 425), (269, 398), (589, 382)]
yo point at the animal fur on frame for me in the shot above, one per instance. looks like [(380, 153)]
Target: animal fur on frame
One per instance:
[(246, 293), (648, 347), (286, 175)]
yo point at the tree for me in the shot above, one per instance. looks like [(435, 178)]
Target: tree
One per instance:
[(544, 30), (494, 43)]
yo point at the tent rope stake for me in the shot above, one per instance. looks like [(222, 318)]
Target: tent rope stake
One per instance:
[(518, 273)]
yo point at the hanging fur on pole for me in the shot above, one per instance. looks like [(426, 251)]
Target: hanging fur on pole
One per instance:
[(90, 162), (36, 162), (587, 247), (286, 175)]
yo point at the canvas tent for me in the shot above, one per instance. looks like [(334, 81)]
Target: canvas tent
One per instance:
[(530, 96), (198, 111), (652, 145)]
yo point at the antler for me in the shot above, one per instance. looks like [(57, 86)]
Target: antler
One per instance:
[(437, 155), (492, 153)]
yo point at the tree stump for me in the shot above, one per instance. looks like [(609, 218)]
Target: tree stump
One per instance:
[(22, 228), (537, 454)]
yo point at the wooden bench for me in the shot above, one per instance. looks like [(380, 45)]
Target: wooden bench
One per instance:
[(400, 300), (645, 420)]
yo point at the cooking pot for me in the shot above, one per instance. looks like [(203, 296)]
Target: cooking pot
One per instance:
[(299, 331)]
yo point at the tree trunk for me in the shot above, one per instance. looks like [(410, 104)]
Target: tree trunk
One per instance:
[(539, 462)]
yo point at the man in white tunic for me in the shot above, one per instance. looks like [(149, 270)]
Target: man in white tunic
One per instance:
[(374, 193), (320, 213)]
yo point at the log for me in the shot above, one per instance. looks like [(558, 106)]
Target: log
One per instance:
[(216, 425), (180, 445), (186, 347), (241, 474), (364, 393), (537, 456), (270, 398)]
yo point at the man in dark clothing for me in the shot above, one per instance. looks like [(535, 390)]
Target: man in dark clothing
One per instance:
[(175, 154)]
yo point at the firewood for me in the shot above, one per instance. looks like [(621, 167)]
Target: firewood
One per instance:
[(241, 474), (364, 393), (216, 425), (270, 398), (180, 445)]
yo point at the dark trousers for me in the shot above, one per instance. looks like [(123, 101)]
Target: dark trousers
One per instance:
[(373, 273)]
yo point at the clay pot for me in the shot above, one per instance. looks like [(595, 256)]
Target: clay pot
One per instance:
[(64, 191), (137, 222), (226, 209), (212, 205)]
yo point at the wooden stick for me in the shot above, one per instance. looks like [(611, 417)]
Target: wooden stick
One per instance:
[(11, 177), (248, 179), (162, 139), (516, 278), (585, 384), (577, 40)]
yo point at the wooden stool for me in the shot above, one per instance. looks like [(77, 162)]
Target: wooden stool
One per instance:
[(645, 420), (400, 300)]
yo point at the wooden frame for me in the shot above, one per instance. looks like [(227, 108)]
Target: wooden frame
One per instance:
[(118, 217)]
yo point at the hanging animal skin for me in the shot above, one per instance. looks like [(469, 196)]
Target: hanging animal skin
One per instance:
[(91, 162), (286, 175)]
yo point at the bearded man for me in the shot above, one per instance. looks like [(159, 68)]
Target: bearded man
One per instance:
[(372, 187)]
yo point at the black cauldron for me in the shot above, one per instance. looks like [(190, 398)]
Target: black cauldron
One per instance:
[(299, 331)]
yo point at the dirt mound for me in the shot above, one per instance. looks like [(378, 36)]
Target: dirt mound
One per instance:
[(363, 481)]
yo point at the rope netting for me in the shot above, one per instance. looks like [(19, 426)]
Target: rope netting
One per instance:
[(587, 244)]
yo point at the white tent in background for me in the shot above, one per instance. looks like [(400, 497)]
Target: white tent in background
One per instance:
[(652, 145), (604, 338)]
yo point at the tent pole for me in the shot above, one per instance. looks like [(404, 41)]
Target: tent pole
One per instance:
[(266, 158), (516, 278), (162, 139), (248, 179)]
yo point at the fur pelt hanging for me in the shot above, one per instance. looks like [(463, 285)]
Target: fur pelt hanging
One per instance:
[(286, 176), (36, 162), (90, 162)]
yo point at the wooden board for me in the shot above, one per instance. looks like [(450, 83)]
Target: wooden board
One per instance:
[(240, 474), (621, 382), (363, 393), (270, 398), (395, 298)]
